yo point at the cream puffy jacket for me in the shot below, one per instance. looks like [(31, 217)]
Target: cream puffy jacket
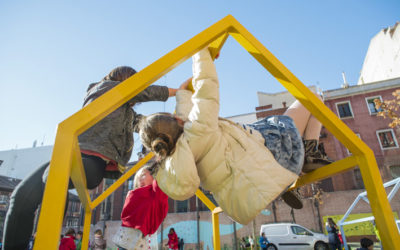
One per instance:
[(222, 157)]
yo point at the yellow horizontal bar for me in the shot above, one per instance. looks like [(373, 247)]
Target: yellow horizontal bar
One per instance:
[(205, 200), (334, 168), (121, 180)]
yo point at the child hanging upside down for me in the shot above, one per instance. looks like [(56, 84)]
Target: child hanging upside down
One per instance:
[(145, 208), (244, 166)]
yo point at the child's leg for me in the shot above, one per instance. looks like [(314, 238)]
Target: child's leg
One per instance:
[(313, 128), (310, 128), (300, 116)]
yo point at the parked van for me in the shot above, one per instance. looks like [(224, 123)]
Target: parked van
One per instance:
[(293, 236)]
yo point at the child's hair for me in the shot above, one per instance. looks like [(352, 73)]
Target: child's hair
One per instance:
[(120, 74), (70, 231), (159, 132), (150, 166), (331, 222), (98, 232), (365, 242)]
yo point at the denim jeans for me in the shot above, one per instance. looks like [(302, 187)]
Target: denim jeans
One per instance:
[(283, 140), (27, 196)]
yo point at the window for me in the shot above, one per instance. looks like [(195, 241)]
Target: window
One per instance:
[(371, 104), (300, 231), (182, 206), (395, 171), (326, 185), (344, 109), (387, 139), (359, 183)]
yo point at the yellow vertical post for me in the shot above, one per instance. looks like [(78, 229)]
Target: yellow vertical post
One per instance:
[(378, 201), (55, 193), (215, 224), (86, 229)]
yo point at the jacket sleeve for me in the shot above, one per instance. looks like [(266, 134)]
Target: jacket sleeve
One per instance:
[(151, 93), (177, 177), (183, 104), (204, 114)]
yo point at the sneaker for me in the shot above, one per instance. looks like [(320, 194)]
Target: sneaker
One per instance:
[(293, 199), (314, 156)]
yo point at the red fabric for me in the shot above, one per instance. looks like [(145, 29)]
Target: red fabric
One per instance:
[(67, 243), (173, 241), (145, 208), (111, 164)]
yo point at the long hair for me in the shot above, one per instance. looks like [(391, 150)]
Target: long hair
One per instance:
[(159, 133), (120, 74), (331, 222)]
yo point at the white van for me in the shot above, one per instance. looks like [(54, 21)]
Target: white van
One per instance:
[(293, 236)]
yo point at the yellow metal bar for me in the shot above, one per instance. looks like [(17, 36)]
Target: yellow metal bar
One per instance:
[(216, 235), (334, 168), (78, 177), (121, 180), (126, 90), (380, 206), (297, 88), (216, 46), (60, 167), (205, 200), (86, 229), (53, 205)]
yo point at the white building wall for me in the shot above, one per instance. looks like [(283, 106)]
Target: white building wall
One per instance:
[(277, 99), (244, 118), (382, 61), (18, 163)]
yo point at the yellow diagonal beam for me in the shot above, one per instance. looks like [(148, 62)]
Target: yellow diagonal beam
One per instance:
[(334, 168), (205, 200), (297, 89)]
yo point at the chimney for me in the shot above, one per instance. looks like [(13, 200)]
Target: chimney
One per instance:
[(284, 104), (345, 83)]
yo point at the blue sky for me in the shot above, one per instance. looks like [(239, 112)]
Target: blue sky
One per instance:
[(51, 50)]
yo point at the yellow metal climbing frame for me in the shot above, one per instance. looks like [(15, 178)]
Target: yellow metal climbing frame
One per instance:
[(66, 161)]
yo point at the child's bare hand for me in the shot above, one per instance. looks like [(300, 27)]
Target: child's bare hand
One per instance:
[(186, 83)]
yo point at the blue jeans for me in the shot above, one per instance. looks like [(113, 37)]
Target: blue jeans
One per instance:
[(283, 140)]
